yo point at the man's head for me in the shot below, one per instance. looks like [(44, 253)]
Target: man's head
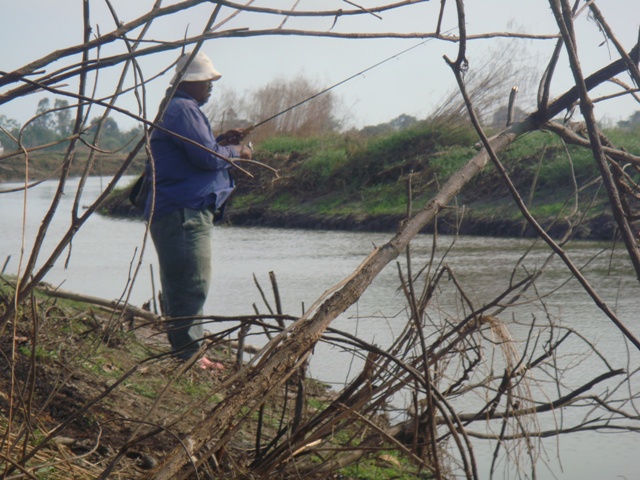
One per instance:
[(197, 78)]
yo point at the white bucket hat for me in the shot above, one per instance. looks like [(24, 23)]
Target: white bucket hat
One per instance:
[(200, 69)]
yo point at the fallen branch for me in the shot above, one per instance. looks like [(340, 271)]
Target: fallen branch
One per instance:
[(113, 305)]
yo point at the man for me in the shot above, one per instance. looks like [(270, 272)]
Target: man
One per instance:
[(191, 184)]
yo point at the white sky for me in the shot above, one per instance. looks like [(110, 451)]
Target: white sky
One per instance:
[(413, 83)]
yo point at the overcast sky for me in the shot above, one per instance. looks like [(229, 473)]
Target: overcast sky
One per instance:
[(412, 83)]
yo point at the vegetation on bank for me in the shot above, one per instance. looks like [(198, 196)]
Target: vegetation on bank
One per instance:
[(96, 377), (355, 181), (352, 181)]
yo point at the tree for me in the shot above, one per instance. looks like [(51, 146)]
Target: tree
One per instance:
[(52, 127), (633, 122), (63, 123), (110, 135), (274, 102), (228, 110), (501, 116), (311, 117), (41, 129), (9, 130), (399, 123)]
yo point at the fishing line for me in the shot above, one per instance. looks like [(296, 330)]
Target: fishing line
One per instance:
[(322, 92)]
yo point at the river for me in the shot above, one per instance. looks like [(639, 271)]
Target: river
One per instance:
[(306, 263)]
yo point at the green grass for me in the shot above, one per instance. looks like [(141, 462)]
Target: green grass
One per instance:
[(350, 175), (145, 389), (558, 171), (103, 366), (450, 160), (383, 200), (370, 470), (629, 139), (284, 202), (549, 210), (248, 199), (322, 165), (41, 353), (335, 204), (195, 389), (287, 145), (530, 145)]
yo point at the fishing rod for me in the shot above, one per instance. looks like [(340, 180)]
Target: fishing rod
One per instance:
[(233, 137)]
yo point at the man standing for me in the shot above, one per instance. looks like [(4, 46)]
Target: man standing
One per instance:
[(191, 185)]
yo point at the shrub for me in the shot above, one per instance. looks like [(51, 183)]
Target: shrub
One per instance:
[(318, 169), (450, 160)]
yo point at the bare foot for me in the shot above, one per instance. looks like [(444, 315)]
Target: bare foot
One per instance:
[(207, 364)]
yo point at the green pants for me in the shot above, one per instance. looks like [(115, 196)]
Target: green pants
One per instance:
[(183, 244)]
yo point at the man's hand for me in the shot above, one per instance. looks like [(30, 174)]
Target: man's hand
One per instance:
[(231, 137), (243, 151)]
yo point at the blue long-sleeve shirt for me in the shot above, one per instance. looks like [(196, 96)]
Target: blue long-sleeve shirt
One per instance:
[(186, 176)]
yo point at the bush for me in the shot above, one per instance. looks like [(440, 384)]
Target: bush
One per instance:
[(319, 169), (450, 160)]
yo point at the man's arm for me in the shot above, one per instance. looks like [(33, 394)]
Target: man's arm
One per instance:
[(192, 124)]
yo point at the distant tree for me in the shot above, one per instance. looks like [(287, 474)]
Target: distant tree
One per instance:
[(631, 123), (399, 123), (49, 125), (111, 137), (131, 136), (373, 130), (41, 128), (227, 111), (313, 117), (53, 124), (8, 128), (403, 121), (310, 118), (63, 120), (501, 115)]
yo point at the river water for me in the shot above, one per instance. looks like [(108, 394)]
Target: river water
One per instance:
[(306, 263)]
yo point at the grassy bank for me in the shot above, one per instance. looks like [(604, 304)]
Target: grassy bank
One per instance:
[(352, 182)]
